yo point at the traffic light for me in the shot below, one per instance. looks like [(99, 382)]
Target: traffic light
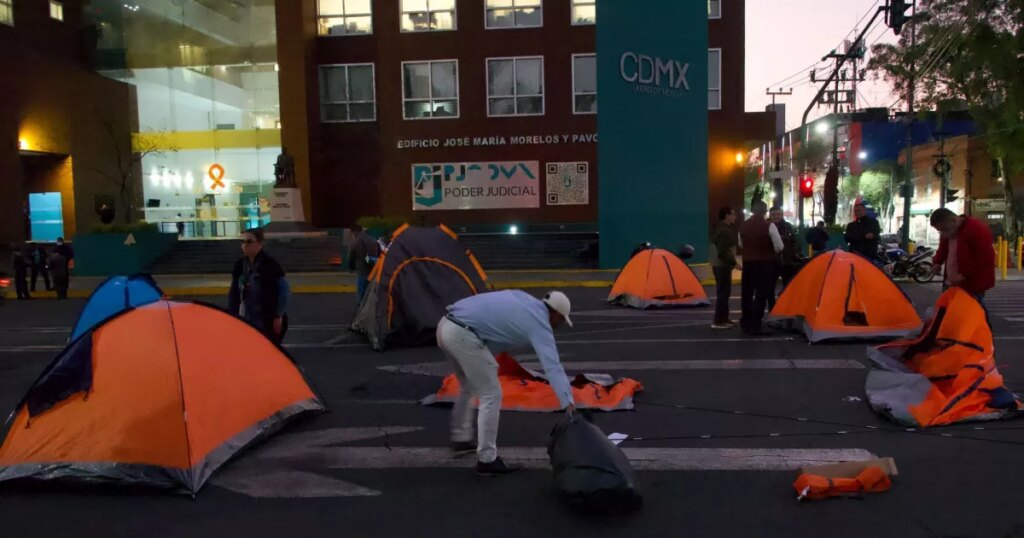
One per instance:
[(897, 16), (951, 195), (806, 186)]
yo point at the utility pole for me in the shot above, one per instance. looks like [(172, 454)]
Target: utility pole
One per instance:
[(908, 185), (941, 165), (779, 92)]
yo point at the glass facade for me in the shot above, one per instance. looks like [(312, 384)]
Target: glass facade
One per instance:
[(205, 75)]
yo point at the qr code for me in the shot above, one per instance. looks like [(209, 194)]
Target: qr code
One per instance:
[(568, 183)]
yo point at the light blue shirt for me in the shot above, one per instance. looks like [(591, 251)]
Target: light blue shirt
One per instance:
[(514, 320)]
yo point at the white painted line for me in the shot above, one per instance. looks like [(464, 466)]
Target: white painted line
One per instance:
[(443, 368), (673, 340), (287, 484)]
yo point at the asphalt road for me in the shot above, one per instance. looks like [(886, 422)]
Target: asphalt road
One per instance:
[(350, 473)]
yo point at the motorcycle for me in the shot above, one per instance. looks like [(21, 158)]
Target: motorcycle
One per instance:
[(898, 264)]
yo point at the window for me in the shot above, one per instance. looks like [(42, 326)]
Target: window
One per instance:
[(347, 93), (584, 84), (513, 13), (714, 9), (584, 12), (56, 10), (430, 89), (345, 17), (515, 86), (714, 79), (6, 12), (428, 15)]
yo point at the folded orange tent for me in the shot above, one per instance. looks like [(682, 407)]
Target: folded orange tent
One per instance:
[(525, 390), (160, 395), (946, 375), (657, 278), (841, 295)]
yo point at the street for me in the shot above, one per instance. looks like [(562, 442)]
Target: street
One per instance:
[(722, 424)]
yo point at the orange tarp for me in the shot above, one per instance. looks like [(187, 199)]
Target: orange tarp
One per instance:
[(657, 278), (843, 295), (525, 390)]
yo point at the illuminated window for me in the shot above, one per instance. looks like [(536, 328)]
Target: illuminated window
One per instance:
[(345, 17), (6, 12), (428, 15), (714, 9), (515, 86), (714, 79), (56, 10), (430, 89), (347, 93), (584, 12), (513, 14), (584, 84)]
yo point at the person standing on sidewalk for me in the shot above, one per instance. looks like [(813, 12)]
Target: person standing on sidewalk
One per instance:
[(60, 273), (965, 249), (259, 290), (723, 261), (37, 259), (360, 253), (20, 264), (862, 234), (818, 238), (761, 244), (508, 320)]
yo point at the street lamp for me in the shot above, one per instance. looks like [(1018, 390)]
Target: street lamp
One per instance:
[(862, 155), (821, 128)]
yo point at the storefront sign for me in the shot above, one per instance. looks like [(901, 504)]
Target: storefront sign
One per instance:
[(489, 141), (486, 185), (568, 183)]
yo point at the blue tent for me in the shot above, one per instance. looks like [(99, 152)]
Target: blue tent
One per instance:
[(113, 296)]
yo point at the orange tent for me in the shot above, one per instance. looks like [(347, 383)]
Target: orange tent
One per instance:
[(160, 395), (657, 278), (525, 390), (946, 375), (843, 295)]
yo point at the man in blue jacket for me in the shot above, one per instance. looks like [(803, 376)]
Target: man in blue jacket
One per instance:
[(505, 321)]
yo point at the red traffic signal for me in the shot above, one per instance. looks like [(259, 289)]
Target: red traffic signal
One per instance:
[(806, 186)]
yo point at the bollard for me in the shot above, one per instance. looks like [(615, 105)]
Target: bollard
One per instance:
[(1020, 244), (810, 252), (1003, 251), (1006, 257)]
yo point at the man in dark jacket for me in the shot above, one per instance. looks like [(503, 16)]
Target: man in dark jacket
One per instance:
[(58, 265), (789, 258), (259, 291), (723, 261), (362, 254), (965, 249), (818, 238), (21, 264), (862, 234), (761, 246), (37, 261)]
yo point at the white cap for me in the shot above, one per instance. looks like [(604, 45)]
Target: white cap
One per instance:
[(558, 302)]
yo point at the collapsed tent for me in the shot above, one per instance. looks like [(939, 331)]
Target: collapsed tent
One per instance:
[(115, 295), (841, 295), (523, 389), (657, 278), (423, 271), (161, 395), (946, 375)]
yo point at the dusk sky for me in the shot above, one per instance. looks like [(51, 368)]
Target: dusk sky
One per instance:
[(785, 37)]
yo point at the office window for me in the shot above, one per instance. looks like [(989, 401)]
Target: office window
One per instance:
[(56, 10), (513, 13), (515, 86), (714, 9), (714, 79), (584, 11), (584, 84), (430, 89), (347, 93), (6, 12), (345, 17), (428, 15)]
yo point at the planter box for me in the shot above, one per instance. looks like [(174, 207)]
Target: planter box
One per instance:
[(107, 254)]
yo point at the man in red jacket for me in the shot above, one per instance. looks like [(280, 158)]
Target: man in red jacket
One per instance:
[(966, 251)]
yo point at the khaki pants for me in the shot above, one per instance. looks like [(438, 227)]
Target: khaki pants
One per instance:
[(477, 372)]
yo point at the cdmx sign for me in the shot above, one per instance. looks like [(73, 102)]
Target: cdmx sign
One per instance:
[(654, 75)]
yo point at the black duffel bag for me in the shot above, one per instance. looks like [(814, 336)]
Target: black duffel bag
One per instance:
[(589, 470)]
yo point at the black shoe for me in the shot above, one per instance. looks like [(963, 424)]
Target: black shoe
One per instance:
[(496, 468), (463, 448)]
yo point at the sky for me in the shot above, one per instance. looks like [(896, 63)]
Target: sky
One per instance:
[(785, 37)]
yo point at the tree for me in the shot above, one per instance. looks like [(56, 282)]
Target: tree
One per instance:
[(972, 51)]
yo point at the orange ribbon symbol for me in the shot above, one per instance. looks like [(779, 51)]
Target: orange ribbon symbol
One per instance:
[(216, 173)]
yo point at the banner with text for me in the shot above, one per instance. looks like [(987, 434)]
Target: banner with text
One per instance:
[(483, 185)]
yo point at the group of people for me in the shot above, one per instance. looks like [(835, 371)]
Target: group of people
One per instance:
[(34, 260)]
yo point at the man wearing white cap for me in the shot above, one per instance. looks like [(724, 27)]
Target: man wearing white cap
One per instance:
[(506, 321)]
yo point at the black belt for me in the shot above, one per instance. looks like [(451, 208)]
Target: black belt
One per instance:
[(452, 319)]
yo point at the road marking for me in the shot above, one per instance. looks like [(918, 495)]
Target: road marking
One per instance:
[(672, 340), (286, 466), (443, 368)]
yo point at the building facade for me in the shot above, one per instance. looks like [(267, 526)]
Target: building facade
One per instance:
[(383, 101)]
